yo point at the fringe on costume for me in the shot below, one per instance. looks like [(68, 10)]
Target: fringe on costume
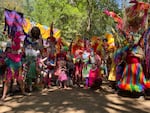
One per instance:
[(133, 78)]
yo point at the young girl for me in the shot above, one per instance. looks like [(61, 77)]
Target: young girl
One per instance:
[(61, 63), (62, 78)]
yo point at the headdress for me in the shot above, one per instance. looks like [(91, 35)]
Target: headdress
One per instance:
[(136, 15), (51, 37), (16, 41)]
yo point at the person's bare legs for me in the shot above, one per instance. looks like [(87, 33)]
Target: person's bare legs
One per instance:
[(65, 84), (60, 84), (21, 83), (6, 86), (49, 80)]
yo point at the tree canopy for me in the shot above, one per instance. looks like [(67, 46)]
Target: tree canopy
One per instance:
[(84, 17)]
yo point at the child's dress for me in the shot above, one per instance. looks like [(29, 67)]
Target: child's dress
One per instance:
[(93, 75), (63, 76), (60, 63)]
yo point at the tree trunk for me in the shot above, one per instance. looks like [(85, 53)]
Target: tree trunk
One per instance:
[(89, 11)]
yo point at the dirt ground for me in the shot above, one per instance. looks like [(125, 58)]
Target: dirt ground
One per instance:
[(75, 100)]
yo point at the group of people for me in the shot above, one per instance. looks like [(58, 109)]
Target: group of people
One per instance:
[(32, 62)]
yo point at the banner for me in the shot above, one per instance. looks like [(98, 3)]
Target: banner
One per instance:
[(45, 31), (13, 21)]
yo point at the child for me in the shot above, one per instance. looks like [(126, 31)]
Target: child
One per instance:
[(78, 72), (85, 71), (61, 62), (62, 78), (70, 72), (94, 79)]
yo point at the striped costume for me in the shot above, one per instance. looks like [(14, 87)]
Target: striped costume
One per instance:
[(133, 78)]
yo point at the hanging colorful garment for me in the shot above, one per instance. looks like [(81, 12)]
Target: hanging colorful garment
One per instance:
[(119, 53), (13, 21), (119, 70)]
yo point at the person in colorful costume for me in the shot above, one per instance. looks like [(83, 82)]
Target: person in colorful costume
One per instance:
[(14, 66), (147, 61), (133, 78), (33, 45), (94, 78), (86, 67), (2, 65), (147, 52), (112, 73), (70, 67), (60, 71)]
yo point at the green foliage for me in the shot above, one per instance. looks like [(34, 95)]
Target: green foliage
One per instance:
[(72, 17)]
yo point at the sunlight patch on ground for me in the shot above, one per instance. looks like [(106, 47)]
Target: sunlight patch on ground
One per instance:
[(115, 99), (72, 111), (66, 103), (45, 103), (112, 107), (5, 109)]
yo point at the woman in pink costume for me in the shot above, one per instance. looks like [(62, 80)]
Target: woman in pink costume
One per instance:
[(14, 66)]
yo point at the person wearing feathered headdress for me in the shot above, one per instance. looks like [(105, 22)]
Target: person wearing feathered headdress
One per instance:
[(133, 78), (14, 65), (51, 40), (147, 60)]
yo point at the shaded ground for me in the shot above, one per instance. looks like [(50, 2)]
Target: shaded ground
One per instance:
[(76, 100)]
